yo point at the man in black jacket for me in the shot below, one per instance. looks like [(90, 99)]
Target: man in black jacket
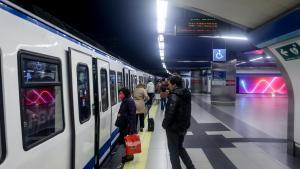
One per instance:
[(177, 121)]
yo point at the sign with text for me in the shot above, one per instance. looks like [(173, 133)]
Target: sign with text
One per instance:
[(290, 51), (219, 55), (197, 27)]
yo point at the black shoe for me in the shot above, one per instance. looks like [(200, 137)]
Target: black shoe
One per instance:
[(141, 129), (127, 158)]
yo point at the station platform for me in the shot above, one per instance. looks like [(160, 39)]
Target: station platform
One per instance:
[(249, 135)]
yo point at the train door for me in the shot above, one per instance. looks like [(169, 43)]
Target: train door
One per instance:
[(80, 68), (105, 108)]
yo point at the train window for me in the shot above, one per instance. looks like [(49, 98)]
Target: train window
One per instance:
[(113, 95), (120, 82), (40, 98), (140, 79), (104, 89), (127, 80), (131, 83), (83, 90), (2, 134)]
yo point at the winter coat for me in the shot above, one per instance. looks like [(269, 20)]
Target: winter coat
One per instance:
[(140, 95), (127, 109), (163, 90), (178, 111)]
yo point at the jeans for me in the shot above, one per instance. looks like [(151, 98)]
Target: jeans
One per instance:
[(141, 117), (163, 103), (175, 141)]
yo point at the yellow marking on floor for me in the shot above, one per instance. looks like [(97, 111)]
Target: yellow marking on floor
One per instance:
[(140, 160)]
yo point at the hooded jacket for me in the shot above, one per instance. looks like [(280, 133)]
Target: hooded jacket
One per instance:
[(178, 111)]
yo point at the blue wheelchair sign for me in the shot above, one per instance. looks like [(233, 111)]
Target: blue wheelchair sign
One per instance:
[(219, 55)]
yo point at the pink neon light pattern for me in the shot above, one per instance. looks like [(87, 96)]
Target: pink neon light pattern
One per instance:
[(272, 85), (39, 96)]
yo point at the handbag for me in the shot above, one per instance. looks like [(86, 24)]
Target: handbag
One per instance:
[(121, 122), (133, 144)]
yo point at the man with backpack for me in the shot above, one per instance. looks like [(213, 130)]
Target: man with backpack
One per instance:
[(177, 121)]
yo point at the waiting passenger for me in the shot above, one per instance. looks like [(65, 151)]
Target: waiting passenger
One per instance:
[(177, 121), (163, 93), (150, 91), (140, 95), (126, 119)]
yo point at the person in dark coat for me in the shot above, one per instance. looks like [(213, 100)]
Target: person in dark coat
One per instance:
[(177, 121), (127, 110)]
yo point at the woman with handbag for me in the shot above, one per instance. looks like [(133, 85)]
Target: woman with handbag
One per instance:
[(126, 118)]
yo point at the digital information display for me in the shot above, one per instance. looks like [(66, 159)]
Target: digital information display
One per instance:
[(197, 27), (262, 85), (219, 55)]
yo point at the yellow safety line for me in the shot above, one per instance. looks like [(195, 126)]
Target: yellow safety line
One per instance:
[(140, 160)]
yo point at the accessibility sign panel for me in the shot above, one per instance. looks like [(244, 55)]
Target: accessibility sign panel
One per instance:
[(219, 55), (290, 51)]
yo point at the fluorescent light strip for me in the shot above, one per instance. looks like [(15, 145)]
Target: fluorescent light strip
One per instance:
[(161, 38), (195, 61), (255, 59), (228, 37), (161, 45), (241, 63), (162, 7)]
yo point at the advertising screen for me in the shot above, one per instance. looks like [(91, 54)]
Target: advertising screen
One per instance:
[(262, 85)]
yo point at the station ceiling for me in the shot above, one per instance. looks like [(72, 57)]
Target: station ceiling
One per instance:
[(127, 29)]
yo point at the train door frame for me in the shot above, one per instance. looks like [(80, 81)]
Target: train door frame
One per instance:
[(86, 128), (104, 114), (2, 122), (117, 68)]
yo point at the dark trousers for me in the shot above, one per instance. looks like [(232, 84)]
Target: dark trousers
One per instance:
[(141, 117), (163, 103), (175, 141), (151, 96)]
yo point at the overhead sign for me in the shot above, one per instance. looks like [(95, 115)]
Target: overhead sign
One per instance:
[(197, 27), (290, 51), (219, 55)]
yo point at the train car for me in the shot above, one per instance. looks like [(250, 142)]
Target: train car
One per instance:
[(58, 95)]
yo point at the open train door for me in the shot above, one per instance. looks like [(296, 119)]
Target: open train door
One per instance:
[(105, 109), (81, 99)]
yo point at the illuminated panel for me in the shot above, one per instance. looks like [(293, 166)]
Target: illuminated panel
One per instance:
[(39, 96), (272, 85)]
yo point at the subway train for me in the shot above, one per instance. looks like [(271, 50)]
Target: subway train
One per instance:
[(58, 95)]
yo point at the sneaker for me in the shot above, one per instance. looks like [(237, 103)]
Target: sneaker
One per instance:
[(141, 129)]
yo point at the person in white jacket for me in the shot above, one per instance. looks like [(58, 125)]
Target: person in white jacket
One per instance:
[(151, 91)]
